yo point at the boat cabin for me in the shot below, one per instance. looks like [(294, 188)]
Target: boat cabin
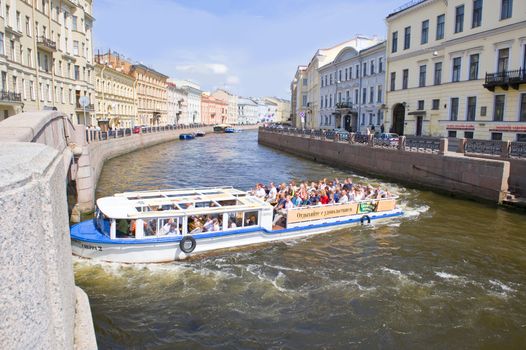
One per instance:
[(156, 214)]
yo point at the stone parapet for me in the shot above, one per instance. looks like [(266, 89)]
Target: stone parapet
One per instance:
[(449, 172)]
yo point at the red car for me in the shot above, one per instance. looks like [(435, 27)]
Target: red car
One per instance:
[(136, 130)]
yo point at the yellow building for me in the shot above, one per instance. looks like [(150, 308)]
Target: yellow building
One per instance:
[(298, 92), (116, 98), (458, 70), (46, 57)]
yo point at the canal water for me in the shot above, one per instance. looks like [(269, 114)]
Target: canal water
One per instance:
[(450, 274)]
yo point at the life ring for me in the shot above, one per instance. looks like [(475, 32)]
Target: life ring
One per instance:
[(187, 244), (365, 217)]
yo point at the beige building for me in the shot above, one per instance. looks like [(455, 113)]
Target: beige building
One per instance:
[(459, 70), (321, 58), (46, 57), (116, 104), (298, 90), (282, 114)]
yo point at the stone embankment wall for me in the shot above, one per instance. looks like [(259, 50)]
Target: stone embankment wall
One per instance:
[(40, 307), (451, 172), (94, 155)]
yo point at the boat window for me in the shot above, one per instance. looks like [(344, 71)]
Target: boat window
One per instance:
[(208, 204), (205, 223), (170, 226), (103, 224), (251, 218), (229, 203), (181, 195), (125, 228), (150, 227), (186, 205)]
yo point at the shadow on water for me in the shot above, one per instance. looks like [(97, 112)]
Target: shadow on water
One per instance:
[(450, 273)]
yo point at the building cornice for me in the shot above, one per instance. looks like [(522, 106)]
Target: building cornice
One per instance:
[(459, 40)]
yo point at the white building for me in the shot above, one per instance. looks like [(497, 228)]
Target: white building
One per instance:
[(352, 89), (193, 94), (247, 111), (283, 109), (177, 100)]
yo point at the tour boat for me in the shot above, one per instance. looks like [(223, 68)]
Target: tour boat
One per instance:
[(169, 225), (200, 133), (230, 130), (188, 136), (221, 127)]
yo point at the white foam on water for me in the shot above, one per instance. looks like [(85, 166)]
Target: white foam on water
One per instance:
[(505, 290), (447, 276), (277, 267)]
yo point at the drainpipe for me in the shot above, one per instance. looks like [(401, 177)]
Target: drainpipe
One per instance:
[(103, 95), (136, 99), (360, 96), (52, 58), (35, 55)]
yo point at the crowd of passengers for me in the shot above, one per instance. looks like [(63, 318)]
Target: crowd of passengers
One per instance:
[(317, 193)]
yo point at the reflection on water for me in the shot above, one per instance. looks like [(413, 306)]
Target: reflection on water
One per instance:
[(450, 273)]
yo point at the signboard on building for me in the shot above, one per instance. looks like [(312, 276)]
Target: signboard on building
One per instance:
[(510, 128), (460, 127)]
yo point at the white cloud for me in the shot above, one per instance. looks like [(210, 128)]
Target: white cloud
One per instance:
[(203, 68)]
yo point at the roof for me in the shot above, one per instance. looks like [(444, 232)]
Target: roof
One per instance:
[(405, 7), (142, 66), (178, 202)]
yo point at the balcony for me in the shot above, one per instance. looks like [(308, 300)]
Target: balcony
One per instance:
[(46, 44), (505, 79), (89, 108), (10, 97), (346, 107)]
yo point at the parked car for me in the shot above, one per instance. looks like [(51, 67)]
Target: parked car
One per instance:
[(343, 134), (136, 130), (389, 137)]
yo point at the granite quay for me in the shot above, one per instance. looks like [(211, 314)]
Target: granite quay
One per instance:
[(41, 307), (418, 161)]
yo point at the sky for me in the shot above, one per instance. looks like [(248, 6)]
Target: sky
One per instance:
[(250, 47)]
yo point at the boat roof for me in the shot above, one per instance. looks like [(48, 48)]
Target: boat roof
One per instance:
[(178, 202)]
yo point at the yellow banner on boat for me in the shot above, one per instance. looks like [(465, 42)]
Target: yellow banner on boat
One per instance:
[(318, 213)]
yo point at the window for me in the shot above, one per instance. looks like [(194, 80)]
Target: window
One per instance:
[(474, 67), (350, 73), (453, 112), (405, 79), (459, 19), (28, 26), (422, 78), (304, 81), (380, 65), (77, 72), (364, 70), (472, 108), (457, 63), (522, 116), (503, 60), (372, 67), (421, 104), (424, 38), (330, 79), (506, 9), (452, 134), (394, 42), (75, 47), (521, 137), (1, 43), (74, 22), (498, 114), (435, 104), (18, 25), (379, 94), (468, 134), (364, 96), (438, 73), (346, 74), (393, 81), (356, 96), (340, 75), (304, 101), (371, 94), (407, 38), (477, 13), (441, 20), (496, 136), (357, 71), (339, 97)]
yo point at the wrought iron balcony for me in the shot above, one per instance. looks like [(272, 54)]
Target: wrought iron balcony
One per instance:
[(46, 44), (505, 79), (10, 96), (90, 107), (344, 105)]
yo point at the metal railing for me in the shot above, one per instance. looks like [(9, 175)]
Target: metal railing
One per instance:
[(42, 40), (93, 135), (506, 77), (10, 96), (422, 144)]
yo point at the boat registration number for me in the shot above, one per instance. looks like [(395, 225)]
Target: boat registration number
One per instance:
[(91, 247)]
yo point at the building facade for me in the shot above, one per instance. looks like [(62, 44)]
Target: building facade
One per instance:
[(283, 114), (459, 71), (299, 97), (46, 58), (247, 111), (321, 58), (116, 103), (231, 100), (213, 110), (177, 104), (352, 90), (152, 100), (193, 93)]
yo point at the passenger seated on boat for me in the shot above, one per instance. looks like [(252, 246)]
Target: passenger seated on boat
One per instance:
[(209, 224), (149, 227), (343, 198)]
